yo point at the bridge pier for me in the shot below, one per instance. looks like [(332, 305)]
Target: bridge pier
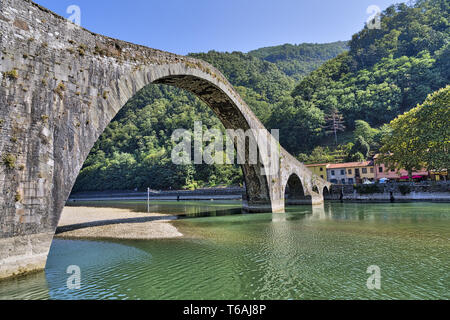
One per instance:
[(315, 199), (24, 254), (263, 207)]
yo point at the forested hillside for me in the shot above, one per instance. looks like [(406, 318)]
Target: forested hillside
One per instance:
[(299, 60), (385, 73)]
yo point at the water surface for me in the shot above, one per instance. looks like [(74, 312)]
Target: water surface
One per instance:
[(308, 253)]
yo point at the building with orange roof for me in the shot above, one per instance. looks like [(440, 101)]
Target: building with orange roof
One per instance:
[(351, 172), (381, 171), (359, 172)]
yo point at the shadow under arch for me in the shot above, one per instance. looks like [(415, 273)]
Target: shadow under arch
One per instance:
[(326, 193)]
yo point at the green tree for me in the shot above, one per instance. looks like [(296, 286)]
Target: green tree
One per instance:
[(364, 130), (356, 157), (360, 146), (318, 155), (420, 137)]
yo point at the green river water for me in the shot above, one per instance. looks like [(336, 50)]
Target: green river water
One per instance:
[(307, 253)]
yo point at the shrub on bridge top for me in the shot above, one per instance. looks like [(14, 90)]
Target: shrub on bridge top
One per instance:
[(12, 75), (9, 161)]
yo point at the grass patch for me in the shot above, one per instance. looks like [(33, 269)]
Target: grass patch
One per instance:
[(12, 75), (17, 197), (9, 161), (82, 49), (60, 90)]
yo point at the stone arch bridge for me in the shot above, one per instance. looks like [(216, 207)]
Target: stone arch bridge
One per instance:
[(60, 87)]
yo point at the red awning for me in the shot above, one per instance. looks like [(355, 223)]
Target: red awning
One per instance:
[(414, 177)]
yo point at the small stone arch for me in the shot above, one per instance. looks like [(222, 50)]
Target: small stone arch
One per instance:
[(294, 191)]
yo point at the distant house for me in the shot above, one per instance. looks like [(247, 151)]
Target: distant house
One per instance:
[(319, 169), (381, 171), (359, 172), (351, 172), (439, 175), (336, 174)]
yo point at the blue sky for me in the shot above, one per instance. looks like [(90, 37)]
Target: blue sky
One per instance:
[(183, 26)]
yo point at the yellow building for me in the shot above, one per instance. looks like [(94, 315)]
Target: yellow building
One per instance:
[(344, 173), (319, 169), (358, 172)]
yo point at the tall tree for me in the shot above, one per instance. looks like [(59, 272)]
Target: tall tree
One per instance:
[(334, 123), (420, 137)]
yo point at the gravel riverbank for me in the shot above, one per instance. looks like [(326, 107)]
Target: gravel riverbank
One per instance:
[(113, 223)]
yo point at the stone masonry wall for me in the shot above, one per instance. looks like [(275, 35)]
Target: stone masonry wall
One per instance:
[(391, 192)]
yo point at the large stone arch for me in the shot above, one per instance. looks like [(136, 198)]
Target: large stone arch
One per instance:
[(60, 86), (218, 94)]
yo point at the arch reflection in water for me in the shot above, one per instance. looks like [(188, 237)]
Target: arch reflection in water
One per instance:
[(318, 212)]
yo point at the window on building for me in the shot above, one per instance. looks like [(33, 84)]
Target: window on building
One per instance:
[(364, 170), (350, 180), (332, 172), (371, 170), (349, 171), (321, 169), (321, 176), (380, 169), (343, 181), (342, 172)]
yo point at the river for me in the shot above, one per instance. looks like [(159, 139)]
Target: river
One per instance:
[(307, 253)]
